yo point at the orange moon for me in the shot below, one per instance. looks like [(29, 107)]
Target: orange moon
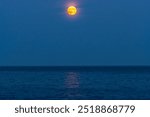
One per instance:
[(72, 10)]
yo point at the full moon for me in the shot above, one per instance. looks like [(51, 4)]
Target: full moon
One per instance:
[(72, 10)]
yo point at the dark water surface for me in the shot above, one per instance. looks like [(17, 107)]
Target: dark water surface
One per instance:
[(74, 83)]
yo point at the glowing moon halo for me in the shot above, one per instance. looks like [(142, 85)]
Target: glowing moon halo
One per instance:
[(72, 10)]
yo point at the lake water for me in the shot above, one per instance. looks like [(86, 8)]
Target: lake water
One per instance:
[(63, 83)]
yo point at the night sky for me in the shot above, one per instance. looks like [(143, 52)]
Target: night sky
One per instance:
[(104, 32)]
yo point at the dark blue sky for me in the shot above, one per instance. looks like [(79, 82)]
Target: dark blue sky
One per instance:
[(105, 32)]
